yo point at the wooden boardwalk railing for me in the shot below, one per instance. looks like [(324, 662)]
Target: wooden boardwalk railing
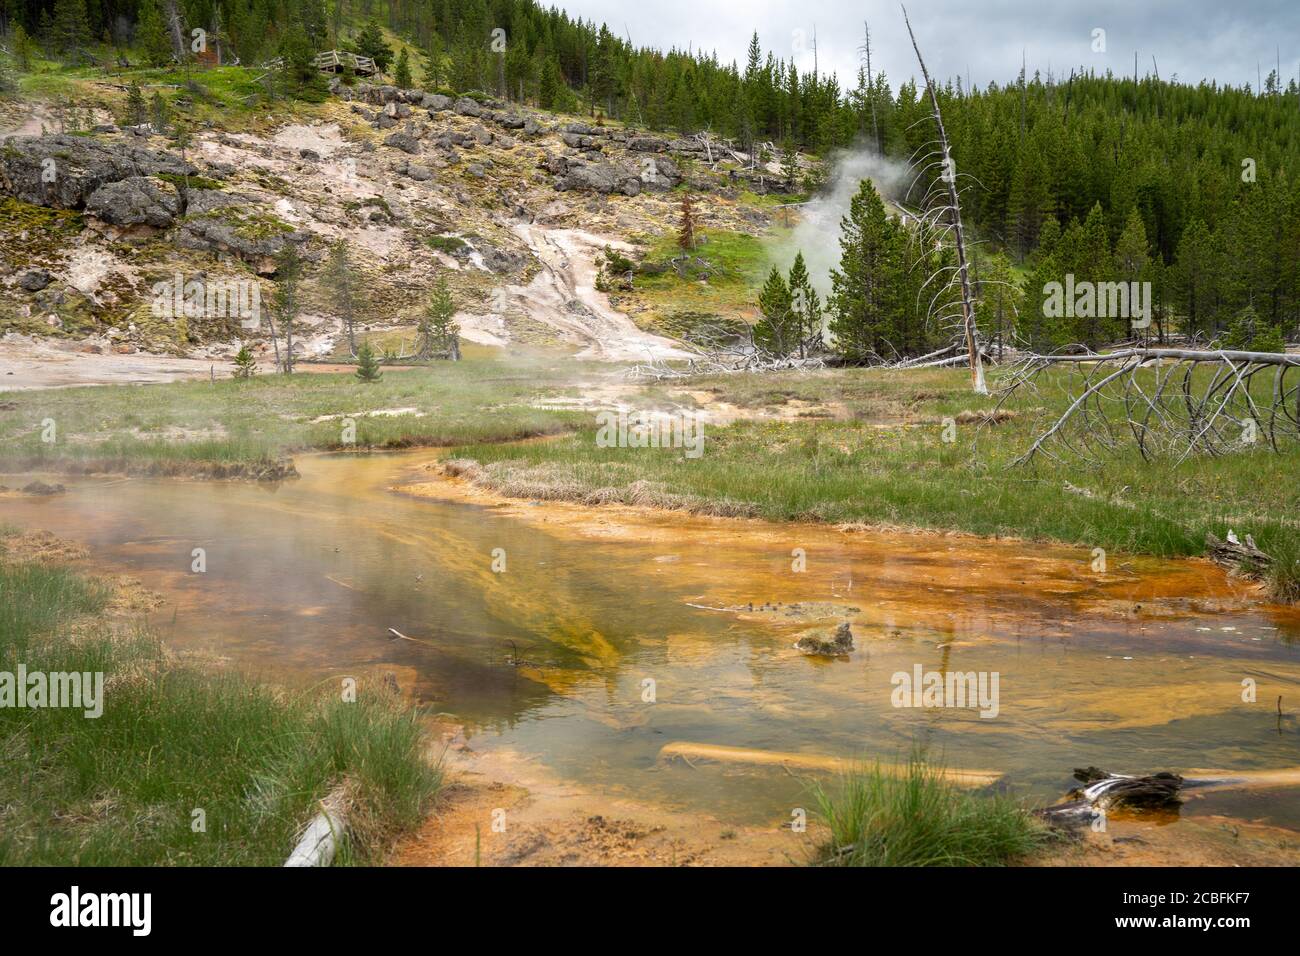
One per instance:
[(333, 61)]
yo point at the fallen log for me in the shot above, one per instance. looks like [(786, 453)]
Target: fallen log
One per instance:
[(323, 836), (723, 753), (1244, 559), (1105, 791)]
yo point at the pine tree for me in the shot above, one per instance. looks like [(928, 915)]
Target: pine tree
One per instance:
[(1095, 264), (346, 293), (285, 303), (807, 307), (865, 288), (160, 114), (71, 27), (402, 71), (777, 330), (1194, 278), (438, 329), (370, 42), (22, 48), (1000, 301), (137, 112), (245, 363), (367, 364), (151, 34)]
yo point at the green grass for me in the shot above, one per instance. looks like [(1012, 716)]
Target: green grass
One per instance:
[(255, 421), (919, 819), (721, 281), (881, 461), (173, 738)]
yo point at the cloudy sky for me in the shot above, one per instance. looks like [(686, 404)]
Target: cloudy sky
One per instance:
[(982, 39)]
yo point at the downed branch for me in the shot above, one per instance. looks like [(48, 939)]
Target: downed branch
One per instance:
[(1244, 559), (1103, 791), (1167, 401)]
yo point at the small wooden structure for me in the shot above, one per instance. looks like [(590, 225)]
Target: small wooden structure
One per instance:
[(333, 61)]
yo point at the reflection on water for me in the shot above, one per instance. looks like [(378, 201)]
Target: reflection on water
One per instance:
[(1137, 670)]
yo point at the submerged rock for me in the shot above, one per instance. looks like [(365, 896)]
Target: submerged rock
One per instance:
[(42, 489), (821, 644)]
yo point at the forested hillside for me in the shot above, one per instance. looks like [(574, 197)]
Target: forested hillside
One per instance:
[(1193, 188)]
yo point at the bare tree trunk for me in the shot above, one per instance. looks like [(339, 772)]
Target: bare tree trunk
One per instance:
[(177, 32), (954, 208), (275, 339)]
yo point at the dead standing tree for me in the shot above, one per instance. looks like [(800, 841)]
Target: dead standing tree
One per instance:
[(950, 209)]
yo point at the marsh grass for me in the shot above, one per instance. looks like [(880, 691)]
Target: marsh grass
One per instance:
[(875, 456), (917, 818), (173, 738), (262, 419)]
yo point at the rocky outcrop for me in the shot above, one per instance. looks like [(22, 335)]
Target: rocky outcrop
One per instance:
[(256, 243), (62, 171), (647, 144), (135, 201), (599, 177), (659, 172)]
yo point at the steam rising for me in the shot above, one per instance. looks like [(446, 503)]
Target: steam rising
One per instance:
[(818, 233)]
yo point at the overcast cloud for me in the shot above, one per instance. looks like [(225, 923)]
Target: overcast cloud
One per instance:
[(982, 39)]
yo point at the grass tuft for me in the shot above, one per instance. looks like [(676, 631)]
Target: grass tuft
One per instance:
[(918, 818), (177, 743)]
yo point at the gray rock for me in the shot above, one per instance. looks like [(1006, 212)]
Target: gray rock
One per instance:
[(558, 165), (580, 129), (200, 201), (647, 144), (467, 107), (531, 126), (502, 141), (509, 121), (553, 212), (476, 170), (579, 141), (397, 110), (217, 234), (601, 177), (660, 172), (79, 166), (421, 174), (481, 136), (500, 260), (34, 280), (384, 121), (436, 102), (403, 141), (135, 201)]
